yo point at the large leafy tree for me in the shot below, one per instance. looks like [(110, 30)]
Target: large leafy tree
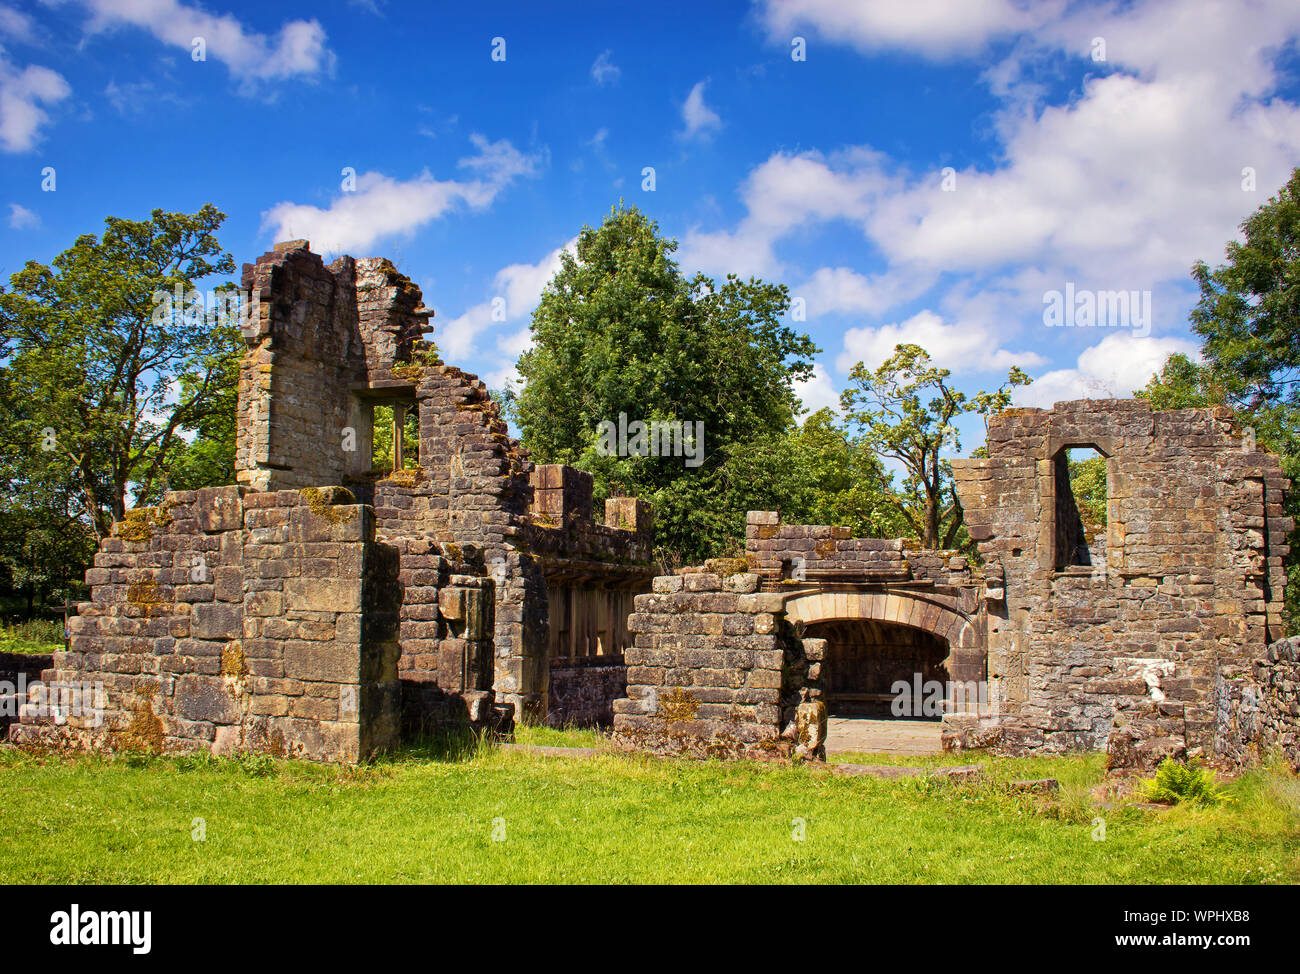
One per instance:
[(1248, 315), (93, 381), (907, 410), (621, 331), (1248, 320)]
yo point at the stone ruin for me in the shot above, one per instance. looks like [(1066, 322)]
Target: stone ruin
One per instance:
[(321, 608)]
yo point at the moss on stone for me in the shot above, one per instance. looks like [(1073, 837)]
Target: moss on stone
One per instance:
[(145, 730), (408, 477), (144, 594), (322, 507)]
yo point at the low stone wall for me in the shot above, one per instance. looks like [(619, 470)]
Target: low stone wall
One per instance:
[(777, 550), (706, 672), (584, 688), (1258, 707), (17, 670), (236, 621)]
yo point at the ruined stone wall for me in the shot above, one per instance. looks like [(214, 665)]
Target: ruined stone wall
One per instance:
[(321, 625), (1257, 708), (804, 551), (17, 670), (304, 347), (583, 689), (471, 514), (1192, 578), (706, 661), (263, 622), (527, 529)]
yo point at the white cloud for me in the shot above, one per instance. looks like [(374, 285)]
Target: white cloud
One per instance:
[(499, 162), (383, 207), (1132, 180), (818, 392), (785, 194), (21, 218), (298, 50), (959, 347), (1122, 186), (24, 95), (516, 289), (698, 116), (931, 27), (603, 70), (1115, 367), (842, 290), (16, 24)]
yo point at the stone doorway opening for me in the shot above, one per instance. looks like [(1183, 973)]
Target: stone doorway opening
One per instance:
[(882, 671)]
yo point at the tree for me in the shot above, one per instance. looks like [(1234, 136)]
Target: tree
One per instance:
[(621, 336), (1248, 320), (907, 411), (97, 376), (1248, 315), (1182, 384)]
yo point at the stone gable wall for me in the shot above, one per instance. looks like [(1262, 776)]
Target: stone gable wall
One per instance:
[(1192, 579)]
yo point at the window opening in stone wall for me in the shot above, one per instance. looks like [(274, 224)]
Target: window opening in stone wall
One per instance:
[(384, 440), (1082, 496)]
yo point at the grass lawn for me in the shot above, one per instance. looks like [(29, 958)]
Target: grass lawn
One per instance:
[(36, 636), (420, 818)]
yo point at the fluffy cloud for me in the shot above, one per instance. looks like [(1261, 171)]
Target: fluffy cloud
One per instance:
[(932, 27), (16, 24), (516, 289), (818, 392), (783, 194), (1113, 368), (381, 206), (960, 347), (24, 96), (1151, 154), (698, 117), (842, 290), (21, 218), (298, 49), (1143, 170)]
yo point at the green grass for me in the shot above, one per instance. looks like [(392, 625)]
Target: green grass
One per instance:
[(540, 736), (34, 636), (414, 818)]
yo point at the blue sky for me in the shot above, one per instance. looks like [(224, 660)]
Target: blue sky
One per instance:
[(930, 171)]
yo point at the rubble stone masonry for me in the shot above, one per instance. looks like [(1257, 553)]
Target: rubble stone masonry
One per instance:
[(324, 608)]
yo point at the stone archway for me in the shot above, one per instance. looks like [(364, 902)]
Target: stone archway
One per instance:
[(918, 630)]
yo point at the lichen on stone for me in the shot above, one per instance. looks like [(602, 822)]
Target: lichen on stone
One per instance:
[(232, 660), (144, 593), (145, 730), (678, 705)]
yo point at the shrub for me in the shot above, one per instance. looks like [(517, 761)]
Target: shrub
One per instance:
[(1176, 782), (32, 636)]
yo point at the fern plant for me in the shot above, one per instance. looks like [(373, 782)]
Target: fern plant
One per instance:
[(1190, 783)]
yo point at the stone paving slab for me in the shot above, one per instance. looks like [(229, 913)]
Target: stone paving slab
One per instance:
[(863, 735), (959, 772)]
